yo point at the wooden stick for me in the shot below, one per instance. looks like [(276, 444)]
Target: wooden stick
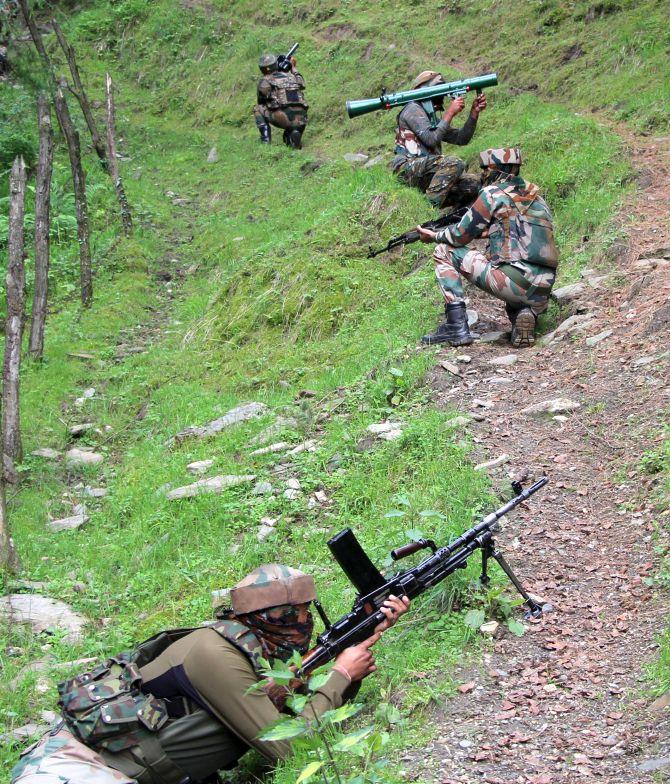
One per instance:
[(113, 163), (42, 224), (81, 205), (16, 298), (9, 559), (80, 94)]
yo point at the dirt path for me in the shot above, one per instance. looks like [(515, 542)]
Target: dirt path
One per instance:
[(562, 703)]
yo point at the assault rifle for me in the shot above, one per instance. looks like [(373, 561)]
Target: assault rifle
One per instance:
[(284, 60), (413, 235)]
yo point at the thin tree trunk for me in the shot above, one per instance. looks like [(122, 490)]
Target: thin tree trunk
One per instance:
[(9, 559), (113, 163), (80, 94), (42, 224), (16, 300), (81, 205)]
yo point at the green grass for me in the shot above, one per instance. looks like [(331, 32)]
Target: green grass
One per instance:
[(276, 295)]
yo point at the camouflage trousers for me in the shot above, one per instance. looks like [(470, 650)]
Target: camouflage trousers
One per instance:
[(287, 118), (61, 759), (442, 178), (522, 285)]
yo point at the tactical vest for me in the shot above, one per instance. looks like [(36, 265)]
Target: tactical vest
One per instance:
[(286, 91), (407, 143), (106, 709), (528, 234)]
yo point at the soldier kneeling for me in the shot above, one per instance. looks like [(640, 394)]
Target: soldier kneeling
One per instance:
[(519, 266), (281, 101), (181, 706)]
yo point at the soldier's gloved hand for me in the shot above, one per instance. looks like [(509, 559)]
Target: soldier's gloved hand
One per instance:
[(455, 107), (392, 608), (426, 235), (293, 62), (357, 662), (478, 105)]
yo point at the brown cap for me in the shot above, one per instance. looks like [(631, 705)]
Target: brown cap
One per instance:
[(426, 79), (269, 586)]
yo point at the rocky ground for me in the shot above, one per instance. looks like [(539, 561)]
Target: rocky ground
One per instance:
[(566, 702)]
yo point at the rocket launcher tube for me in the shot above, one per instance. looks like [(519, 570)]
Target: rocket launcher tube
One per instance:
[(389, 100)]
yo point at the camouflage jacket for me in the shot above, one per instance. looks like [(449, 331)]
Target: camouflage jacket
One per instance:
[(416, 136), (516, 220), (279, 89)]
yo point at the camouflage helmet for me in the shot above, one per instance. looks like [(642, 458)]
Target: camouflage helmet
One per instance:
[(492, 158), (427, 79), (267, 62), (269, 586)]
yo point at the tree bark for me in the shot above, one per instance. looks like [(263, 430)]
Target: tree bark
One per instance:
[(16, 298), (113, 163), (39, 44), (81, 205), (9, 559), (80, 94), (42, 224)]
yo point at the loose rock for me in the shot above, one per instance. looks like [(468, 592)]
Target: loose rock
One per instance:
[(489, 628), (266, 528), (595, 339), (558, 405), (216, 484), (46, 453), (280, 446), (504, 458), (95, 492), (262, 488), (493, 337), (383, 427), (306, 446), (83, 456), (212, 155), (199, 466), (236, 415), (68, 523), (79, 430), (566, 294), (505, 361), (391, 435), (278, 426), (473, 317), (374, 161), (43, 613), (356, 158)]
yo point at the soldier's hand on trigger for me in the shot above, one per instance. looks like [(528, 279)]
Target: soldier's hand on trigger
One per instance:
[(293, 62), (478, 105), (455, 107), (426, 235), (392, 609), (356, 662)]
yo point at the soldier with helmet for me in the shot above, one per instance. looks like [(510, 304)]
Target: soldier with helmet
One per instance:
[(182, 706), (281, 100), (519, 266), (418, 147)]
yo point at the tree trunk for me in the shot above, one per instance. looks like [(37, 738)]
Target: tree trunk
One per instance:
[(126, 217), (39, 44), (9, 560), (42, 223), (81, 205), (16, 297), (80, 94)]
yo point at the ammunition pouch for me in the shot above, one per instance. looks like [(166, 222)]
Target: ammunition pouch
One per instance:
[(286, 91)]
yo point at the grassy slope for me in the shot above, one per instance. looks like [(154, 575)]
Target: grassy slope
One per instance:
[(282, 291)]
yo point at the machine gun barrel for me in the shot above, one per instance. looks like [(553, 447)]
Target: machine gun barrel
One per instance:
[(389, 100)]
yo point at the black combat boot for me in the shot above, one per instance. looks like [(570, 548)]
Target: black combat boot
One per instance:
[(523, 327), (265, 133), (293, 138), (454, 330)]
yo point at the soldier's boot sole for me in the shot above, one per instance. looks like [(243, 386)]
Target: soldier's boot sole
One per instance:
[(523, 330)]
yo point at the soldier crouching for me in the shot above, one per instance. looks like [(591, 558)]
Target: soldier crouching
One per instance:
[(520, 264), (281, 101)]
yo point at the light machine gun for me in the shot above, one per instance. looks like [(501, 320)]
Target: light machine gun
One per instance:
[(422, 94), (373, 588)]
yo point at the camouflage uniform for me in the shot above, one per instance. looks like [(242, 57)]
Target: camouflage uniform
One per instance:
[(202, 680), (519, 266), (419, 161), (281, 103)]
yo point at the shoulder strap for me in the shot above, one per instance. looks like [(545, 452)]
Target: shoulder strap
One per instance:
[(242, 638)]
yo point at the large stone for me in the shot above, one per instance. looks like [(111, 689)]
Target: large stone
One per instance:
[(236, 415), (559, 405), (262, 488), (43, 614), (279, 446), (79, 430), (575, 324), (652, 765), (356, 158), (215, 484), (595, 339), (566, 294), (68, 523), (199, 466), (83, 456)]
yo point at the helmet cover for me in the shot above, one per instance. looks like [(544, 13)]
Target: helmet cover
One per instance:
[(269, 586), (492, 158)]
